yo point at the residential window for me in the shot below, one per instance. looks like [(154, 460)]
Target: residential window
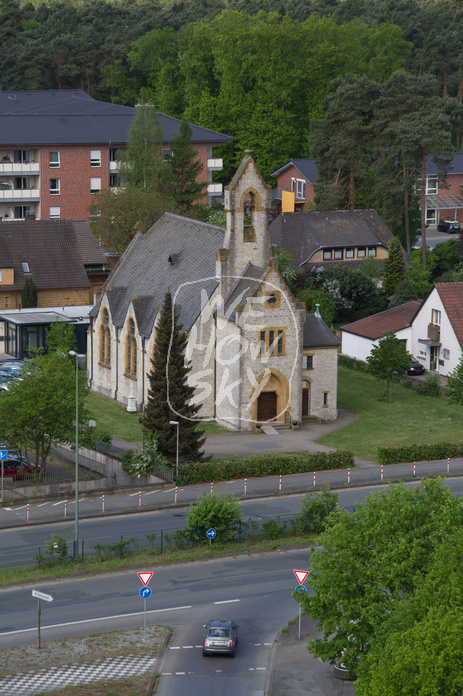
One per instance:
[(361, 252), (113, 180), (249, 234), (436, 317), (431, 216), (446, 354), (327, 254), (55, 212), (25, 267), (300, 189), (20, 211), (131, 350), (95, 185), (338, 254), (372, 251), (167, 155), (54, 159), (349, 253), (325, 399), (22, 183), (309, 362), (272, 342), (113, 154), (431, 185), (7, 302), (95, 158), (105, 340), (54, 187), (22, 156), (0, 276)]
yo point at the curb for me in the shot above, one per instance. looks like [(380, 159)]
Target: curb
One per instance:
[(155, 679), (269, 680)]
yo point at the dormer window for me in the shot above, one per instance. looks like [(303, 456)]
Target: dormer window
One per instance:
[(249, 207), (25, 267)]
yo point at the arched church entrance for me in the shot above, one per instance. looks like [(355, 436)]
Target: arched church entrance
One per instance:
[(272, 398), (305, 397)]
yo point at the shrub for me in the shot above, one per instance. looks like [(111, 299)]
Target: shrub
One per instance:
[(315, 508), (88, 437), (221, 512), (416, 453), (142, 462), (352, 363), (126, 461), (431, 386), (271, 464)]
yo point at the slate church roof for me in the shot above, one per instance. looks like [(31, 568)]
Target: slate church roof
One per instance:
[(176, 254)]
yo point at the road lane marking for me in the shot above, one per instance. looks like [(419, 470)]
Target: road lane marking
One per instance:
[(20, 508), (101, 618), (186, 647), (42, 504), (60, 503), (175, 647), (228, 601), (268, 643), (180, 672), (261, 668)]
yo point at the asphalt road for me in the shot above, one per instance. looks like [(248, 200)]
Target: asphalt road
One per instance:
[(433, 238)]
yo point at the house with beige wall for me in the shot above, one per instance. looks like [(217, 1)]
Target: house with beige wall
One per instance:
[(255, 354)]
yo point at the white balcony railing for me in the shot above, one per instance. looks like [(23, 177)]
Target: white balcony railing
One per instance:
[(19, 168), (215, 165), (19, 194), (214, 189)]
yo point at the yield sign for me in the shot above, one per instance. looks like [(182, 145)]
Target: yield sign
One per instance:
[(301, 575), (145, 577)]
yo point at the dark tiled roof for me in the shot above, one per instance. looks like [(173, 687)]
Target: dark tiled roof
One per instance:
[(393, 319), (451, 295), (302, 234), (317, 334), (145, 272), (244, 287), (456, 164), (90, 252), (49, 247), (72, 117), (307, 166)]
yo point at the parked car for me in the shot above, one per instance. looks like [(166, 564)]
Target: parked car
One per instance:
[(449, 226), (221, 637), (415, 368), (16, 467)]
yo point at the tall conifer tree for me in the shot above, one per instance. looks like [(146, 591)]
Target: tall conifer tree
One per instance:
[(169, 393), (185, 168)]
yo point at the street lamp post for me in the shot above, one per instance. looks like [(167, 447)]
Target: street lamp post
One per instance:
[(176, 459), (76, 519)]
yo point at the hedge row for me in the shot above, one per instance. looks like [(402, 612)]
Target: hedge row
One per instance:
[(417, 453), (263, 465), (353, 363)]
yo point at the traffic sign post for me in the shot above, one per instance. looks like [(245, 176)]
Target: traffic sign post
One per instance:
[(144, 593), (301, 576), (210, 535), (3, 457), (46, 598)]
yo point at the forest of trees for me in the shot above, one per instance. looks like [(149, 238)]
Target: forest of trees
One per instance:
[(264, 72)]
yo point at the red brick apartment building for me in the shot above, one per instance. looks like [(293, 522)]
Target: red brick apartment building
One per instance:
[(57, 148)]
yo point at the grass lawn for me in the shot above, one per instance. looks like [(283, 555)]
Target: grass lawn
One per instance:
[(113, 418), (408, 419)]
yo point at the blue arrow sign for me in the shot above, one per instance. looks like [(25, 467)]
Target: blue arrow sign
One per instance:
[(300, 588), (144, 592), (210, 533), (3, 454)]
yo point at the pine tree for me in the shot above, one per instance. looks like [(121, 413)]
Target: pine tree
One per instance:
[(394, 267), (185, 167), (29, 295), (169, 393)]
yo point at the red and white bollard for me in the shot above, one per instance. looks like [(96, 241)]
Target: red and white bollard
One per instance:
[(176, 492), (314, 478), (414, 469), (279, 487), (65, 508), (348, 475), (382, 472), (448, 465), (103, 505), (212, 487), (139, 498), (28, 512), (245, 485)]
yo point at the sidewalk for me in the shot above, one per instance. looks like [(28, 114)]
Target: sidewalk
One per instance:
[(293, 670)]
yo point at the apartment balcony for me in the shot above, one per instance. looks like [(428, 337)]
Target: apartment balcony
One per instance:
[(9, 168), (215, 165), (434, 332), (12, 195), (214, 189), (113, 167)]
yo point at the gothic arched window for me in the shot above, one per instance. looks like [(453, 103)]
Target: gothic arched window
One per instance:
[(249, 207), (105, 339), (131, 350)]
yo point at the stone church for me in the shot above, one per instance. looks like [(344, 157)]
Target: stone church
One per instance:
[(256, 355)]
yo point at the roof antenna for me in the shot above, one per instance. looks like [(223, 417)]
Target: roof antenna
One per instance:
[(317, 311)]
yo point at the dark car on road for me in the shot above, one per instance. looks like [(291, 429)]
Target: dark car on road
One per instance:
[(221, 637), (449, 226), (415, 368)]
